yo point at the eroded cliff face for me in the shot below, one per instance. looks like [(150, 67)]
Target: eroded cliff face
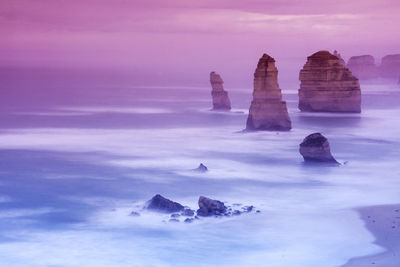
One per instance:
[(328, 86), (363, 67), (390, 66), (267, 110), (220, 97)]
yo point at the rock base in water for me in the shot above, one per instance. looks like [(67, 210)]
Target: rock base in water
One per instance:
[(315, 148)]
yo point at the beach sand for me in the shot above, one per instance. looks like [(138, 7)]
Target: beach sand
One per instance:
[(384, 223)]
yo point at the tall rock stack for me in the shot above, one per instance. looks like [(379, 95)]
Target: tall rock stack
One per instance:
[(267, 111), (328, 86), (390, 66), (219, 95), (363, 67)]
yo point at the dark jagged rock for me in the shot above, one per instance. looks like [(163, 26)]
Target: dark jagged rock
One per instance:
[(363, 67), (209, 207), (201, 168), (327, 86), (315, 148), (219, 95), (267, 111), (161, 204), (390, 66)]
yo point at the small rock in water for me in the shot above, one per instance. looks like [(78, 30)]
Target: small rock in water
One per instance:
[(162, 204), (236, 212), (248, 208), (135, 213), (315, 148), (208, 207), (175, 215), (189, 220), (173, 220), (187, 212), (201, 168)]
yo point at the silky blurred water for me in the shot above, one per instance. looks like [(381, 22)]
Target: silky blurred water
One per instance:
[(77, 159)]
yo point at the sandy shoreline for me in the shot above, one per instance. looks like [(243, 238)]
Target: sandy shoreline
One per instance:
[(384, 223)]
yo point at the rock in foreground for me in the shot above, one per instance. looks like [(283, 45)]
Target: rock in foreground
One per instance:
[(267, 110), (363, 67), (209, 207), (162, 204), (315, 148), (328, 86), (219, 95)]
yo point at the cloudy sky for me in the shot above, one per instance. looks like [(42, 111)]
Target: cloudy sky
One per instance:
[(188, 37)]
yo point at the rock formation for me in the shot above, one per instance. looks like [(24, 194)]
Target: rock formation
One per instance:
[(267, 110), (315, 148), (162, 204), (201, 168), (219, 95), (390, 66), (363, 67), (327, 86), (337, 54), (208, 207)]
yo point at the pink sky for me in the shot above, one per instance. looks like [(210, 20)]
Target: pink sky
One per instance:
[(189, 37)]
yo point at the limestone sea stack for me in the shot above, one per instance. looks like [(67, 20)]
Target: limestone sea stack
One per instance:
[(328, 86), (267, 111), (315, 148), (363, 67), (390, 66), (219, 95)]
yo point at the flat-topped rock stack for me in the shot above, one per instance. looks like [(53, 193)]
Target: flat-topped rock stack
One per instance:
[(363, 67), (328, 86), (390, 66), (267, 110), (220, 97)]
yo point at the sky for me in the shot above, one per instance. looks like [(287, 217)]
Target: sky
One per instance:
[(169, 41)]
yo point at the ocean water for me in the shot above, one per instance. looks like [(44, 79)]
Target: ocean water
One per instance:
[(77, 159)]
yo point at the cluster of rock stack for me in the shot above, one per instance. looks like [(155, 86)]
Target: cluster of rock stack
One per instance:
[(328, 86), (267, 110), (219, 95), (364, 67)]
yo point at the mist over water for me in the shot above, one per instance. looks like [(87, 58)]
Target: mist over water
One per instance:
[(78, 157)]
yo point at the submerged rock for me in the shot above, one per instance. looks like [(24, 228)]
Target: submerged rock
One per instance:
[(363, 67), (201, 168), (209, 207), (328, 86), (267, 110), (315, 148), (161, 204), (219, 95), (390, 66)]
